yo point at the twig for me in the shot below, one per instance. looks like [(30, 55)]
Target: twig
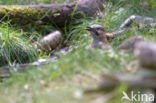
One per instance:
[(6, 70), (140, 19)]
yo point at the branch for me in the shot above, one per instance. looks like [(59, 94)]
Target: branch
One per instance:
[(135, 81), (139, 19), (142, 22), (59, 14), (5, 71)]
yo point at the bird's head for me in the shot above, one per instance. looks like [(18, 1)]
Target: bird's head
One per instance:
[(96, 30), (98, 34)]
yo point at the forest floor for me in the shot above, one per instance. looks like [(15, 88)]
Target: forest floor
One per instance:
[(64, 80)]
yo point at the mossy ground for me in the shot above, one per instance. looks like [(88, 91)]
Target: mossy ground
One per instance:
[(62, 81)]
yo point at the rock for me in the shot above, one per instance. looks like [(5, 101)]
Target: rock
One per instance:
[(146, 53), (129, 43), (51, 41)]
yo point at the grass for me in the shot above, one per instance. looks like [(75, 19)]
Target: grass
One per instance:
[(15, 48), (64, 80)]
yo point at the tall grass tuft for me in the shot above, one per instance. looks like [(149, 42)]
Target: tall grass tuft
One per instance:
[(14, 48)]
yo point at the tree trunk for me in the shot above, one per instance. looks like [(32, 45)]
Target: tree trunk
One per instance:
[(57, 14)]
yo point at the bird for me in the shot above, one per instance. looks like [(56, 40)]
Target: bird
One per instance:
[(99, 37)]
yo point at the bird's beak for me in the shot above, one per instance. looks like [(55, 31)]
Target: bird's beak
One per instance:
[(88, 28)]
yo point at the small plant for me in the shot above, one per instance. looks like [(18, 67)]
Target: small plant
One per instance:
[(14, 48)]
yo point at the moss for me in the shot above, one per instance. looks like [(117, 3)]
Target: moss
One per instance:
[(22, 15)]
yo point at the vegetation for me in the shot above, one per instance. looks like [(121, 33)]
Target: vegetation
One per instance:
[(15, 48), (62, 81)]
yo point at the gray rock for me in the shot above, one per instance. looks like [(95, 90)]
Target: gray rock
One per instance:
[(146, 53), (130, 42)]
